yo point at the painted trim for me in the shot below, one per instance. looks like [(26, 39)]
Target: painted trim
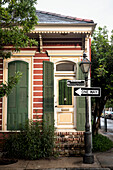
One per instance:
[(70, 53)]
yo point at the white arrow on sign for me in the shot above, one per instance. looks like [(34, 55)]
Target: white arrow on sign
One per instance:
[(79, 92)]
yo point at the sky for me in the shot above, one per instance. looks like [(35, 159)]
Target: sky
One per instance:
[(100, 11)]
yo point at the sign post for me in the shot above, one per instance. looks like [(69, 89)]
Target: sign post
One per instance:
[(80, 90)]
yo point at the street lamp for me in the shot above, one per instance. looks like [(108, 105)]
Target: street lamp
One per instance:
[(88, 156), (85, 66)]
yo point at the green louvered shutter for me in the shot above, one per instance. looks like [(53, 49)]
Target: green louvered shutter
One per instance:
[(80, 101), (48, 92), (17, 112)]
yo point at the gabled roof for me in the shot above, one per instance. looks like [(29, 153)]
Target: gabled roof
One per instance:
[(48, 17)]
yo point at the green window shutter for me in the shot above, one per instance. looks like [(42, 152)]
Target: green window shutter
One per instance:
[(80, 104), (64, 93), (23, 93), (48, 92), (12, 98), (17, 112)]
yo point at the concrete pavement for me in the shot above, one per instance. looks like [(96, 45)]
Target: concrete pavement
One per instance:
[(62, 163)]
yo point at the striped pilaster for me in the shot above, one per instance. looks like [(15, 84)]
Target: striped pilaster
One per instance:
[(38, 85)]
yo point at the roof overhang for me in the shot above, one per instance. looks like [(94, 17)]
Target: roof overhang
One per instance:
[(64, 28)]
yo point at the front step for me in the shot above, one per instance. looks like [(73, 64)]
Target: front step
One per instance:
[(70, 143)]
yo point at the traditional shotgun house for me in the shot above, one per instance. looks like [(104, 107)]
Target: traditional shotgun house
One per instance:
[(42, 92)]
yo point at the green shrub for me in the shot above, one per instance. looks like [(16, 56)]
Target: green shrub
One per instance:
[(34, 141), (101, 143)]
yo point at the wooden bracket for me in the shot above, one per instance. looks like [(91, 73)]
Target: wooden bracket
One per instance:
[(41, 43)]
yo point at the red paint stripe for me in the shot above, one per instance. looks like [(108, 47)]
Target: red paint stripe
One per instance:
[(0, 99), (37, 93), (37, 116), (38, 72), (62, 39), (37, 110), (38, 100), (62, 49), (0, 110), (0, 122), (37, 82), (38, 105), (40, 121), (38, 76), (1, 71), (0, 104), (1, 60), (1, 77), (40, 60), (0, 127), (60, 44), (0, 116), (1, 65), (41, 55), (37, 88), (38, 65)]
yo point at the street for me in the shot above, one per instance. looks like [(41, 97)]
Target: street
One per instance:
[(109, 124)]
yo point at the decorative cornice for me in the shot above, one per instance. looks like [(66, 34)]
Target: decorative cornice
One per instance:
[(54, 53), (64, 29)]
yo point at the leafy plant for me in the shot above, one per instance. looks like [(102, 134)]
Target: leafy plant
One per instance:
[(5, 89), (32, 142), (101, 143)]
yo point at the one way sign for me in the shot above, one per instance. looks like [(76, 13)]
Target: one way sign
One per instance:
[(93, 91)]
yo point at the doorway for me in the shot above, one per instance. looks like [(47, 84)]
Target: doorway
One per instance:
[(64, 98)]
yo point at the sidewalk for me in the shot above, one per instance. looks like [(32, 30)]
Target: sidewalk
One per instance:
[(102, 160), (63, 163)]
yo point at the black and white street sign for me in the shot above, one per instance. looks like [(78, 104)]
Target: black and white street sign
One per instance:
[(93, 91), (76, 83)]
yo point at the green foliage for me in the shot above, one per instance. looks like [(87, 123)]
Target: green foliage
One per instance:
[(109, 103), (17, 19), (32, 142), (5, 89), (101, 70), (101, 143), (101, 57)]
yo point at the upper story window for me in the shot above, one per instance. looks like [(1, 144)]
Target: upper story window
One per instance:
[(65, 66)]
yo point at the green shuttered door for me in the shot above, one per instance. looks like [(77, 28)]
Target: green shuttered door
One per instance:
[(17, 112), (48, 92), (80, 104)]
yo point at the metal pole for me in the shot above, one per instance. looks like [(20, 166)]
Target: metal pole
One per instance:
[(88, 157), (105, 121)]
